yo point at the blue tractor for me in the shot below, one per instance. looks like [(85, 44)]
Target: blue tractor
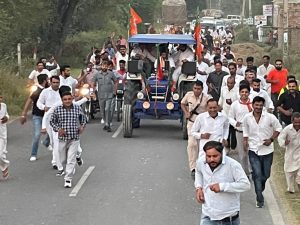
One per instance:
[(150, 97)]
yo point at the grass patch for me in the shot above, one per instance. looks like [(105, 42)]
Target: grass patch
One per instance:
[(290, 203), (13, 88)]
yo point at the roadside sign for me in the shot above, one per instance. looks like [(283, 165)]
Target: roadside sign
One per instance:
[(249, 21), (259, 18), (267, 10)]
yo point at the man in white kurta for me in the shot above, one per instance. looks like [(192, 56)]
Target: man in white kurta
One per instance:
[(210, 126), (48, 98), (4, 163), (237, 112), (184, 54), (289, 138)]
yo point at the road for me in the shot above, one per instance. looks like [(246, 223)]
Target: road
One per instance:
[(143, 180)]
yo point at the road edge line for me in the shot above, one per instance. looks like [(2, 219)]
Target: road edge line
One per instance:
[(118, 131), (273, 206), (78, 186)]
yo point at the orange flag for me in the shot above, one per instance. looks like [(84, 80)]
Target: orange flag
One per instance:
[(135, 19), (197, 36)]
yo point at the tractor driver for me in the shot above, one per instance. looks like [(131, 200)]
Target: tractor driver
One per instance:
[(184, 54), (165, 62), (193, 103)]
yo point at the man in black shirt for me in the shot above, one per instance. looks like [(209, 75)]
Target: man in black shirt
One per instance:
[(209, 41), (289, 102), (214, 81), (37, 114)]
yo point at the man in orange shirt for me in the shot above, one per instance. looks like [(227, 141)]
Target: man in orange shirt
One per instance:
[(277, 77)]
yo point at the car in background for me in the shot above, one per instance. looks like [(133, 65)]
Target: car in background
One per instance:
[(219, 24)]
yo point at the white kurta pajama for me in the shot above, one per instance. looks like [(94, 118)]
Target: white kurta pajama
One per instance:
[(292, 155), (4, 163)]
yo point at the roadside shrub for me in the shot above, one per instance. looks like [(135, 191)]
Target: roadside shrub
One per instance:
[(242, 35)]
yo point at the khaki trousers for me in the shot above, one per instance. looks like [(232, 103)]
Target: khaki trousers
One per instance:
[(192, 147)]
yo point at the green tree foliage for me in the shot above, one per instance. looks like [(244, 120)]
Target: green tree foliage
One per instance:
[(48, 23)]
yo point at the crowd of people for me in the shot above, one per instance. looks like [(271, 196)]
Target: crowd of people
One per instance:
[(232, 107), (239, 108)]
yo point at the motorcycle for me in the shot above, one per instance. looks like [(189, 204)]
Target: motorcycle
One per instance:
[(119, 98), (87, 107)]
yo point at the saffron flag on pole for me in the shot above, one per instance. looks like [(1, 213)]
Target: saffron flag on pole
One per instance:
[(159, 67), (135, 19), (197, 36)]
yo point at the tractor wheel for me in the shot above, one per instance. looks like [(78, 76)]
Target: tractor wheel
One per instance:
[(119, 110), (131, 89), (127, 121), (184, 128)]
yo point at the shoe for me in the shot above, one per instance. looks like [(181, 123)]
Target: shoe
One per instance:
[(5, 174), (79, 161), (102, 121), (50, 148), (68, 184), (193, 172), (32, 158), (60, 173), (109, 129), (54, 167), (259, 204), (105, 127)]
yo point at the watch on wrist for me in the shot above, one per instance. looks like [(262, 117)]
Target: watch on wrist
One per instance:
[(271, 139)]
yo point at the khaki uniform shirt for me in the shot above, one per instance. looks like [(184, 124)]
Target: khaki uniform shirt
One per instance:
[(192, 101)]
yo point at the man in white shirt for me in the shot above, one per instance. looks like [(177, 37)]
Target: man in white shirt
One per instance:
[(53, 66), (40, 69), (212, 68), (121, 55), (222, 33), (184, 54), (289, 138), (48, 98), (201, 73), (232, 73), (210, 126), (259, 31), (240, 67), (259, 131), (257, 91), (229, 94), (66, 79), (263, 70), (218, 53), (219, 181), (237, 112), (206, 55)]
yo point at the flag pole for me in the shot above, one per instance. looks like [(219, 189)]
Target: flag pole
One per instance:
[(128, 26)]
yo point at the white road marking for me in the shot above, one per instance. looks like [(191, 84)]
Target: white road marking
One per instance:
[(118, 131), (78, 186), (273, 206)]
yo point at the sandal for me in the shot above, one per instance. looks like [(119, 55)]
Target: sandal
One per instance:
[(5, 173)]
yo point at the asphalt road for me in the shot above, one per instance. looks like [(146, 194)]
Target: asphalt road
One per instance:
[(142, 180)]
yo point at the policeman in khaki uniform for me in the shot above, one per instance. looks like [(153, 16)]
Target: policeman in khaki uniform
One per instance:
[(193, 103)]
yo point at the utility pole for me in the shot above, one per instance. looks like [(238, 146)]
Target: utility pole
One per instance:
[(250, 16), (285, 30), (19, 59), (243, 12)]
